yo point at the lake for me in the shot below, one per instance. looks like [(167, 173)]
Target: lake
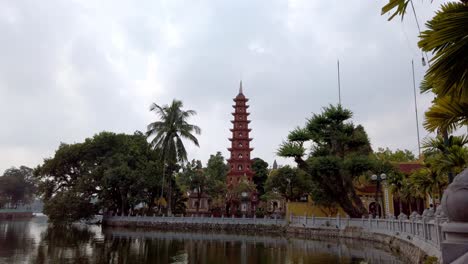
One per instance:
[(33, 241)]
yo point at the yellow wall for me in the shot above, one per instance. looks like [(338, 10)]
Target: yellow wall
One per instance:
[(302, 208), (390, 201)]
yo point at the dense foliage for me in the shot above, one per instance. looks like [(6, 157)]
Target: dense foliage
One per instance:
[(340, 153), (260, 168), (290, 183), (17, 187), (394, 156), (109, 172), (210, 181)]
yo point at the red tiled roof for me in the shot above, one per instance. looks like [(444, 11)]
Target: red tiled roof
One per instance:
[(408, 167)]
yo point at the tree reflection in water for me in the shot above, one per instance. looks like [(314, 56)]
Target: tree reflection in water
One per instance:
[(41, 244), (15, 240), (65, 244)]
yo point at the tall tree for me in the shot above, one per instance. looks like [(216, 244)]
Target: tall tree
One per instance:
[(260, 167), (340, 153), (167, 134), (216, 169)]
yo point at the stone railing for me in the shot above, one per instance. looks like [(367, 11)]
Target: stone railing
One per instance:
[(424, 232), (198, 220)]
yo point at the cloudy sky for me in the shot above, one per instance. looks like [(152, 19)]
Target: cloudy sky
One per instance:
[(70, 69)]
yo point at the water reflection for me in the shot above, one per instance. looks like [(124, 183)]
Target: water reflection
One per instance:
[(35, 242), (61, 244), (15, 240)]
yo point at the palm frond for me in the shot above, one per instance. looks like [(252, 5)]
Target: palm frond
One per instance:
[(399, 5), (160, 111), (299, 135), (446, 114), (447, 37), (291, 149), (190, 137), (168, 130), (181, 152)]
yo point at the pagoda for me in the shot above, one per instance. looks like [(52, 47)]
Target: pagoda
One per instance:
[(240, 161)]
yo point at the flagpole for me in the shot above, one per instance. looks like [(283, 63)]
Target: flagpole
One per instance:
[(416, 110), (339, 84)]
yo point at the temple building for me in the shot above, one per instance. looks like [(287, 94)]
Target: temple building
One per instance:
[(242, 197)]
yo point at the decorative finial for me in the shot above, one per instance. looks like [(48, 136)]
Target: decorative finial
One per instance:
[(240, 87)]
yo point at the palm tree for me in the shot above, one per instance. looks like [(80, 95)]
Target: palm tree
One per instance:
[(396, 181), (447, 154), (447, 38), (167, 134), (410, 194), (454, 161), (426, 180)]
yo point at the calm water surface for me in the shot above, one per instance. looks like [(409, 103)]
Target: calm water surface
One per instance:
[(34, 242)]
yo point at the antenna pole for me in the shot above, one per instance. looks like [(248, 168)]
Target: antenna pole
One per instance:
[(416, 109), (339, 85)]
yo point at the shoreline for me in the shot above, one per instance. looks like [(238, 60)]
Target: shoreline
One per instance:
[(12, 215), (408, 251)]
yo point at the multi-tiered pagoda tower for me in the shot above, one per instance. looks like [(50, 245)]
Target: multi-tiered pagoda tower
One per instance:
[(240, 161)]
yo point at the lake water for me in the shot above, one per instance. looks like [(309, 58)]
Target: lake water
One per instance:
[(32, 241)]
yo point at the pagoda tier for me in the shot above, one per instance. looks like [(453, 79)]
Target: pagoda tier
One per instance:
[(240, 100), (237, 148), (240, 121), (237, 159), (240, 129), (242, 138), (240, 161)]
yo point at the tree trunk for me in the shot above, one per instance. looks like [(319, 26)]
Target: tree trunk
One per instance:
[(358, 202), (198, 203), (123, 198), (169, 197), (346, 199), (349, 208), (400, 204)]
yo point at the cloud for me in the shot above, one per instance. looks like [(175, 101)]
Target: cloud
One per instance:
[(72, 69)]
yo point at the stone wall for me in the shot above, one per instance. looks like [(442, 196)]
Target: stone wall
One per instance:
[(410, 252), (264, 229)]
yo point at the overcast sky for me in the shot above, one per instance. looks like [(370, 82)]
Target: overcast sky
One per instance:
[(70, 69)]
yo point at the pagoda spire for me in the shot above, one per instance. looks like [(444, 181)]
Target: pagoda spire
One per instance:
[(240, 87)]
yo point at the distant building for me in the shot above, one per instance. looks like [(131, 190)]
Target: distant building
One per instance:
[(198, 205), (275, 165)]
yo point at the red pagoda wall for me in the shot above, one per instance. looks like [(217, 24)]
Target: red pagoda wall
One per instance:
[(240, 161)]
